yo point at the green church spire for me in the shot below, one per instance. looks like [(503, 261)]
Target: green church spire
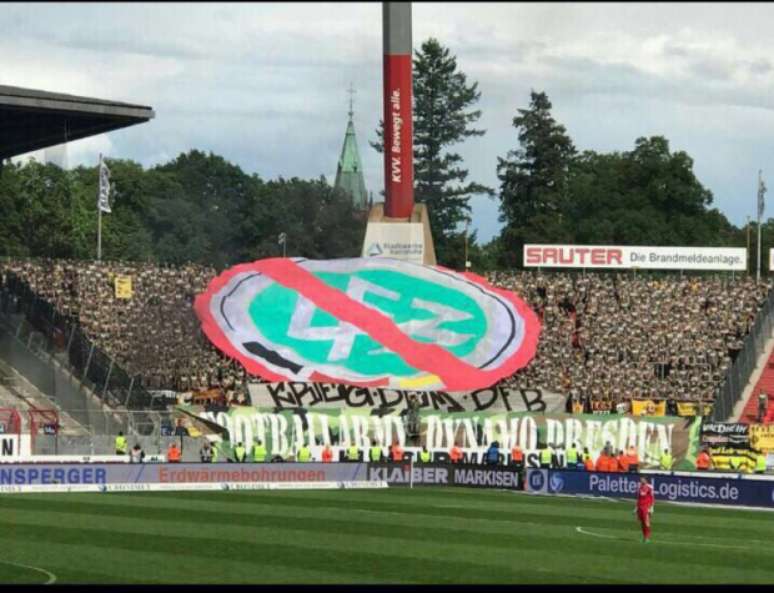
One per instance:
[(349, 174)]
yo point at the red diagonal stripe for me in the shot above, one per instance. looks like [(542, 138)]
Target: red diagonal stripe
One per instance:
[(456, 374)]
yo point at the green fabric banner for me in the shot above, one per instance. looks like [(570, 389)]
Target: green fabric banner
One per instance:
[(284, 431)]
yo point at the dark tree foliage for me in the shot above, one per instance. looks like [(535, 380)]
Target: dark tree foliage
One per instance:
[(647, 196), (534, 180), (197, 208)]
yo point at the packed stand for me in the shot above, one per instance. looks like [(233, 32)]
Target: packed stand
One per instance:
[(155, 334), (606, 338), (610, 338)]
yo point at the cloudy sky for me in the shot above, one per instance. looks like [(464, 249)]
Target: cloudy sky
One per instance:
[(265, 85)]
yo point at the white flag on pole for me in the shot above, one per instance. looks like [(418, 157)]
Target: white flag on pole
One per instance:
[(103, 202), (761, 200), (282, 238)]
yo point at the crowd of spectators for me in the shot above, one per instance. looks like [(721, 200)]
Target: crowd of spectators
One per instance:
[(154, 334), (607, 338)]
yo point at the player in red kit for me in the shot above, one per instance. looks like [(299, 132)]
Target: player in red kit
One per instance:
[(644, 510)]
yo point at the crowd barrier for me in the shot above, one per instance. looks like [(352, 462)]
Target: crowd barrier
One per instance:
[(683, 487)]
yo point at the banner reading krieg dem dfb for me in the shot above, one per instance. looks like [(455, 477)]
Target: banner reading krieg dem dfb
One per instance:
[(726, 259)]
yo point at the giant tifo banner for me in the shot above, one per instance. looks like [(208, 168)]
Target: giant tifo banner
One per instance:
[(619, 257), (369, 322), (285, 431)]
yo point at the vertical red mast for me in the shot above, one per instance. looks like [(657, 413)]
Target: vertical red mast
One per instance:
[(398, 116)]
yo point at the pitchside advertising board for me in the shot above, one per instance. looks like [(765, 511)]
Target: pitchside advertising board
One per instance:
[(35, 474), (14, 446), (434, 474), (105, 476), (619, 257), (673, 488)]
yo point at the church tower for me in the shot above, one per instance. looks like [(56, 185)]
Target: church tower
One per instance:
[(349, 173)]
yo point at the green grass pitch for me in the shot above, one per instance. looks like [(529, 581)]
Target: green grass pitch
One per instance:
[(424, 535)]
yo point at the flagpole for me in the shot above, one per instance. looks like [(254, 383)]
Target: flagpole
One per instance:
[(99, 212), (760, 198)]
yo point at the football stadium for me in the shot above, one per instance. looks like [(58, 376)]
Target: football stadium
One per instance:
[(207, 377)]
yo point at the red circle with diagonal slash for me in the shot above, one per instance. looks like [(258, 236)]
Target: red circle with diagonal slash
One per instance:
[(454, 373)]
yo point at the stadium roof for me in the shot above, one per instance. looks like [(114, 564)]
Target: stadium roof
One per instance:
[(32, 119)]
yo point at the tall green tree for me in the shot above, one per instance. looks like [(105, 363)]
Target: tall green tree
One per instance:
[(443, 117), (320, 222), (534, 180)]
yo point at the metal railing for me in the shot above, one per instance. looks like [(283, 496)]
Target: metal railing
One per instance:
[(738, 374), (105, 445), (57, 339)]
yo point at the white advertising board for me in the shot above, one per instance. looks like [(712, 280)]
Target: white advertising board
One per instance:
[(14, 447), (396, 240), (771, 260), (726, 259)]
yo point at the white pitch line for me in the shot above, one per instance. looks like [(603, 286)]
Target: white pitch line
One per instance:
[(581, 530), (51, 576)]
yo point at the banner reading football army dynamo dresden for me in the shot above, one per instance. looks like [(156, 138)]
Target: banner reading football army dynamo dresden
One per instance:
[(726, 259), (284, 430)]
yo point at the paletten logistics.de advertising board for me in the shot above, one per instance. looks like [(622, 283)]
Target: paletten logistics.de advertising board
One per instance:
[(674, 488)]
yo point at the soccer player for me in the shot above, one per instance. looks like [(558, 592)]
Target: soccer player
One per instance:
[(644, 509)]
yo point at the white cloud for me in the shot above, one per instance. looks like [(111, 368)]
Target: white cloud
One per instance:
[(265, 84)]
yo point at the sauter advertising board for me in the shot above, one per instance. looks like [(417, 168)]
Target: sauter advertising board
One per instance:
[(703, 489), (628, 257)]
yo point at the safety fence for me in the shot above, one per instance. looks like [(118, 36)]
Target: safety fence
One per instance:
[(153, 445), (738, 374), (34, 327)]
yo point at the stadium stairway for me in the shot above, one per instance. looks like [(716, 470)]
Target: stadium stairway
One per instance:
[(762, 380), (17, 392)]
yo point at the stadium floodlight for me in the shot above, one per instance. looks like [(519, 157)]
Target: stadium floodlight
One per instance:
[(761, 208)]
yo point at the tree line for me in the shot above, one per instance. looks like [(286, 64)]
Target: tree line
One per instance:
[(198, 208), (201, 208)]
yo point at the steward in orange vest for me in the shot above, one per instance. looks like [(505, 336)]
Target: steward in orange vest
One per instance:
[(634, 459), (517, 456), (173, 454), (602, 463), (623, 462), (455, 454), (703, 461), (327, 454), (396, 453)]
